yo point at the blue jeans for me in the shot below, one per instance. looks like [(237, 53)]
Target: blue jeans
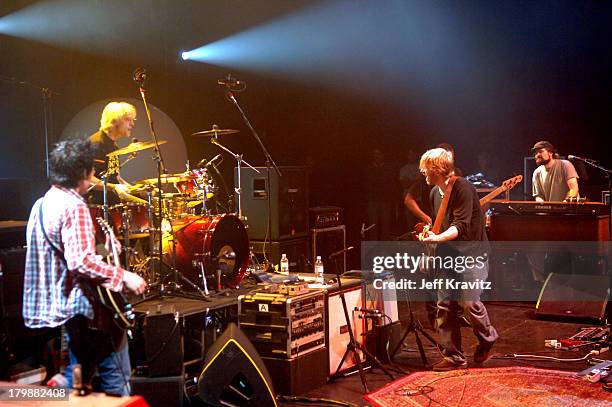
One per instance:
[(96, 350)]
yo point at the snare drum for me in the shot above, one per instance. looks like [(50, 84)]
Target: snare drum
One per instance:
[(211, 243)]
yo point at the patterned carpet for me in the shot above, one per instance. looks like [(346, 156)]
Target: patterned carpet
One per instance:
[(504, 386)]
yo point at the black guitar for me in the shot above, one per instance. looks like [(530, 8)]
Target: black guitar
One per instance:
[(114, 302)]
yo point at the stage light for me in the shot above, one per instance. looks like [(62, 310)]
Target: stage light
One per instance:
[(185, 55)]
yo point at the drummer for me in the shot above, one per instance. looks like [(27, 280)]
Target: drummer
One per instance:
[(116, 122)]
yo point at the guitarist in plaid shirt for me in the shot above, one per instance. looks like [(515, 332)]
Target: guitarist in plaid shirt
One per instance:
[(61, 252)]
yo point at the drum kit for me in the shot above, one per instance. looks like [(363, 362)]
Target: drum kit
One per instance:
[(203, 245)]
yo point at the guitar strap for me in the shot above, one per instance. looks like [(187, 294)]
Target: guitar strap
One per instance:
[(56, 249), (444, 205)]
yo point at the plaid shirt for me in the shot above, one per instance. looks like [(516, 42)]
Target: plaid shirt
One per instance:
[(51, 294)]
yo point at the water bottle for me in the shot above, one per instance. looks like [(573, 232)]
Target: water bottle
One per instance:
[(284, 265), (318, 271)]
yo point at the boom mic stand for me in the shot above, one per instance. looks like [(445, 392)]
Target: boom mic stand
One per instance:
[(414, 326), (140, 76), (229, 94), (353, 346)]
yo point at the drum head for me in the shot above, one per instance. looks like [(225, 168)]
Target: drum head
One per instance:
[(230, 249), (212, 243)]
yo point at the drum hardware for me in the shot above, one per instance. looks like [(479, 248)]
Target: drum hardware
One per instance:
[(239, 162)]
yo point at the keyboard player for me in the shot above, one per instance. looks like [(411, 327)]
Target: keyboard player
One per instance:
[(554, 179)]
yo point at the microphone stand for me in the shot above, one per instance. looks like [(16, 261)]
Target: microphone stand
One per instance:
[(353, 346), (608, 174), (161, 168), (269, 161)]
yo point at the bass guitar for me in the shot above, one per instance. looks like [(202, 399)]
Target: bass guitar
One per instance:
[(421, 229)]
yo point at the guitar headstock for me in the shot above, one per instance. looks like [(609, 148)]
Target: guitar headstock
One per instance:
[(512, 182), (106, 228)]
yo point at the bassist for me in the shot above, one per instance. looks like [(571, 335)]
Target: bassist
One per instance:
[(458, 219)]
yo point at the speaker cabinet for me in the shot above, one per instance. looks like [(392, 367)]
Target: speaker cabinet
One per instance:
[(159, 391), (327, 241), (296, 376), (20, 192), (574, 296), (234, 374), (288, 201), (163, 345)]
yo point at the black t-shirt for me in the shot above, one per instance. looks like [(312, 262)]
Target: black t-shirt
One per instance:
[(465, 214), (420, 192), (102, 145)]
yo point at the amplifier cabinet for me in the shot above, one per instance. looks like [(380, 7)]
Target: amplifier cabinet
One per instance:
[(283, 326), (326, 241)]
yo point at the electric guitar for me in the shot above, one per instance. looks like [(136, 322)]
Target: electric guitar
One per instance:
[(421, 229), (112, 301)]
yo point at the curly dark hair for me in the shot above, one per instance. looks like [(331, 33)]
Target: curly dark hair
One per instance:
[(69, 162)]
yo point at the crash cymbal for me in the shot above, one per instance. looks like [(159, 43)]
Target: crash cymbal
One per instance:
[(136, 146), (216, 131), (166, 179)]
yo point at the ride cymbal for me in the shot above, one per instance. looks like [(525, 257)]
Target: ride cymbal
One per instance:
[(216, 131)]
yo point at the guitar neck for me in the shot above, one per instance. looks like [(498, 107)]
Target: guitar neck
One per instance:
[(491, 195)]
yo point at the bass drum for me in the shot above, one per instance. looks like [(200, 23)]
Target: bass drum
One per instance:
[(217, 244)]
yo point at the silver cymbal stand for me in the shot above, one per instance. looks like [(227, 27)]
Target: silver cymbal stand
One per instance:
[(239, 161)]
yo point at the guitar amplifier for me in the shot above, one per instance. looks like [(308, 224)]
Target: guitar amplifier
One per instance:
[(283, 326), (321, 217)]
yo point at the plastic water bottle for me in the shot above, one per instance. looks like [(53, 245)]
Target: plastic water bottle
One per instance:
[(284, 264), (318, 271)]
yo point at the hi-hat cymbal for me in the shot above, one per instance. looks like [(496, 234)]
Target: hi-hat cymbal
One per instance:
[(136, 146), (216, 131), (166, 179)]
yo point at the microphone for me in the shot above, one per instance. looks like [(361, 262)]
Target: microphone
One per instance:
[(230, 81), (205, 163), (367, 310), (575, 157), (139, 75), (339, 252)]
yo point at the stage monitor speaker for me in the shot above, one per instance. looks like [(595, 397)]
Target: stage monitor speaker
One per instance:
[(288, 201), (163, 344), (574, 296), (234, 374)]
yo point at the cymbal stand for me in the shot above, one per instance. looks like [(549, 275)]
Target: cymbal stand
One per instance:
[(353, 346), (239, 161)]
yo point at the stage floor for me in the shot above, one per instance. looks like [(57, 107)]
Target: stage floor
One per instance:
[(519, 331)]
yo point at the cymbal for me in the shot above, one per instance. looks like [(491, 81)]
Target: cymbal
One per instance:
[(136, 146), (166, 179), (216, 131)]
